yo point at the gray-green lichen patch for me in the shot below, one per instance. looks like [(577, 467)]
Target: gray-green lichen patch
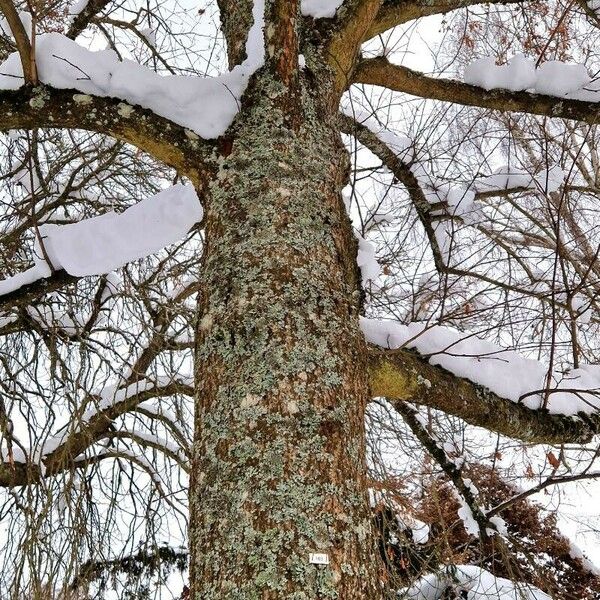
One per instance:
[(125, 110), (39, 98)]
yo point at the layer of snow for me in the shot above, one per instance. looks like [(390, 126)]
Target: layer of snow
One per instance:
[(466, 516), (472, 583), (320, 9), (576, 553), (156, 441), (505, 372), (6, 319), (106, 398), (447, 200), (206, 106), (149, 34), (40, 270), (113, 394), (101, 244), (500, 524), (366, 260), (553, 78), (519, 74), (582, 307), (506, 178), (420, 532)]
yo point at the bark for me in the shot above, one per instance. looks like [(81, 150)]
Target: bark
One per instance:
[(278, 461), (236, 20)]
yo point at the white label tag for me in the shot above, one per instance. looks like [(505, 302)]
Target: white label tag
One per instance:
[(318, 559)]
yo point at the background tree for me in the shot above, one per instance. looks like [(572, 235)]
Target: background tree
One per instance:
[(243, 318)]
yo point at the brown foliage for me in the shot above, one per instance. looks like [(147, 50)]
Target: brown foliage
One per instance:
[(534, 552)]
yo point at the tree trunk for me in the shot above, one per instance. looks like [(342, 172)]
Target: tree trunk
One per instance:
[(279, 456)]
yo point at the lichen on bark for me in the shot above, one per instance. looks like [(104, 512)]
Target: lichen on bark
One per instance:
[(279, 464)]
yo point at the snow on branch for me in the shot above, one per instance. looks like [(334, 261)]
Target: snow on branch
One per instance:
[(101, 244), (150, 440), (581, 104), (206, 106), (404, 375), (475, 520), (503, 372), (320, 9), (434, 200), (60, 451), (438, 203), (552, 78)]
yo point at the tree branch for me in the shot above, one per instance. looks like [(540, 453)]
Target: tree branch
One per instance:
[(397, 12), (350, 30), (144, 560), (379, 71), (82, 20), (402, 172), (402, 375), (236, 21), (21, 39), (411, 418), (592, 16), (88, 432), (538, 488), (43, 106), (26, 294), (77, 442)]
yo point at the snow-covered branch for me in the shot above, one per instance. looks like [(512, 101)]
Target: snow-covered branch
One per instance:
[(82, 12), (101, 244), (169, 117), (379, 71), (464, 487), (45, 106), (439, 204), (395, 161), (58, 453), (401, 374)]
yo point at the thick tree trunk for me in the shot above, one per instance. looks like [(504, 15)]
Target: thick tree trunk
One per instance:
[(279, 459)]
